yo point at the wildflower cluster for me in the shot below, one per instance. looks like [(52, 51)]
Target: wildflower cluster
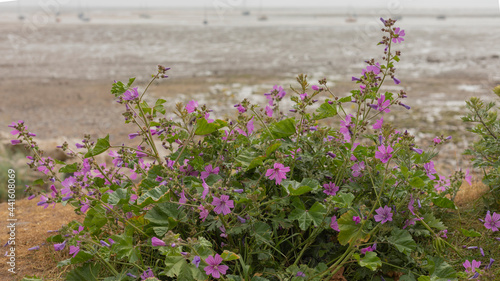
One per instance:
[(268, 196)]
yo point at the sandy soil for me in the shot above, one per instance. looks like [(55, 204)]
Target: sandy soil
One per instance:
[(30, 231)]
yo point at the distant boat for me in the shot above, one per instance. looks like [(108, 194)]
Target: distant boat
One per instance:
[(205, 18), (81, 14), (441, 17), (20, 14), (145, 14), (245, 12), (262, 17), (350, 20)]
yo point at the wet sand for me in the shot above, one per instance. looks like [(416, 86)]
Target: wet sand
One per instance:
[(57, 76)]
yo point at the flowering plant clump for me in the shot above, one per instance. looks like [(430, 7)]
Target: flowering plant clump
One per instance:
[(485, 151), (267, 196)]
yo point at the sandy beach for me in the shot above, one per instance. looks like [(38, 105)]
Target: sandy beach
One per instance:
[(57, 76)]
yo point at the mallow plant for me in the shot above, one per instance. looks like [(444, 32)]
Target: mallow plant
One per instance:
[(485, 151), (273, 194)]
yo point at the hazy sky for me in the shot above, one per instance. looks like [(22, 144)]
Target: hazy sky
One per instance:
[(452, 4)]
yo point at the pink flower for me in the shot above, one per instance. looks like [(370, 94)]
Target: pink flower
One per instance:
[(357, 168), (383, 214), (334, 224), (375, 69), (241, 109), (207, 117), (398, 35), (345, 128), (209, 170), (303, 96), (442, 184), (436, 140), (278, 173), (191, 106), (222, 205), (356, 219), (131, 95), (382, 104), (269, 111), (249, 131), (157, 242), (492, 222), (384, 153), (429, 169), (214, 267), (468, 177), (74, 250), (366, 250), (378, 124), (206, 189), (471, 268), (315, 88), (410, 205), (330, 189), (203, 212)]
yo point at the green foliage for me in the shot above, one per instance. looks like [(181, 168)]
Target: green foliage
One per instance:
[(257, 198), (485, 151)]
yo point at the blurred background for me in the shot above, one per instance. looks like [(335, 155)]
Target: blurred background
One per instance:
[(59, 59)]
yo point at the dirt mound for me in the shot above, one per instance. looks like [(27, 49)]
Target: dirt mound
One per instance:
[(31, 228)]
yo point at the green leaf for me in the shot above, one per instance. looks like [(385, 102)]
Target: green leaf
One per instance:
[(262, 232), (31, 278), (130, 82), (440, 270), (371, 261), (81, 257), (101, 146), (317, 212), (124, 247), (396, 58), (444, 202), (176, 266), (343, 200), (257, 161), (424, 278), (155, 195), (58, 238), (408, 277), (164, 214), (87, 272), (229, 256), (284, 128), (306, 217), (95, 220), (345, 99), (205, 128), (68, 169), (417, 182), (38, 182), (272, 148), (349, 229), (295, 188), (470, 233), (118, 196), (431, 221), (402, 240), (246, 157), (326, 110)]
